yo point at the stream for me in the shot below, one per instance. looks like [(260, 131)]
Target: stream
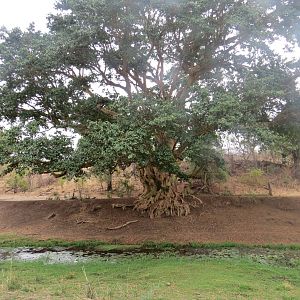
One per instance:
[(64, 255), (286, 257)]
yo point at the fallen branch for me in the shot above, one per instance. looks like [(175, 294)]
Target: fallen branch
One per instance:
[(82, 222), (96, 208), (123, 206), (51, 216), (121, 226)]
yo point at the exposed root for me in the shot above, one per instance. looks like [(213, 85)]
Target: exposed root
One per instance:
[(197, 200), (163, 194), (163, 203)]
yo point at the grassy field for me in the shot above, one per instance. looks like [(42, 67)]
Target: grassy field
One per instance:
[(224, 271), (150, 278)]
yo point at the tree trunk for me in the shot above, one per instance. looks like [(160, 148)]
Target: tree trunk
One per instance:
[(296, 163), (109, 187), (162, 195)]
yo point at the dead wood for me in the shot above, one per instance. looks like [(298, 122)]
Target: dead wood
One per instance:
[(96, 208), (121, 226), (269, 188), (51, 216), (82, 222), (123, 206)]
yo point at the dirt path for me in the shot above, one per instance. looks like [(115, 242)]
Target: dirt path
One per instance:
[(258, 220)]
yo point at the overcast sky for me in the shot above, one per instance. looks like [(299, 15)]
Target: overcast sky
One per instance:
[(20, 13)]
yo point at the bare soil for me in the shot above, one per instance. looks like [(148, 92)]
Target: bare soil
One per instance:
[(249, 220)]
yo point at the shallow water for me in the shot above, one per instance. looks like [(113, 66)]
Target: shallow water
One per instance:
[(55, 255), (69, 255), (47, 255)]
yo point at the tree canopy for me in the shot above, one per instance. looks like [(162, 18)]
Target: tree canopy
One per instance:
[(149, 82)]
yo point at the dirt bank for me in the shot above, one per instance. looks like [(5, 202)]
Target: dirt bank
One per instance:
[(258, 220)]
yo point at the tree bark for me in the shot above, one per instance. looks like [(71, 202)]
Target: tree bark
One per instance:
[(109, 187), (162, 195), (296, 163)]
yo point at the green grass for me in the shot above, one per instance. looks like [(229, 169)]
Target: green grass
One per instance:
[(227, 271), (14, 241), (150, 278), (19, 241)]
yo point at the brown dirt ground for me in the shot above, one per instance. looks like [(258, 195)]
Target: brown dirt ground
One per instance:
[(250, 220)]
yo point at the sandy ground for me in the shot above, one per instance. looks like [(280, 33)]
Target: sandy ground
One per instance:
[(251, 220)]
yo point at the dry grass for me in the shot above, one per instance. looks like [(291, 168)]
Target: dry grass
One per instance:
[(44, 186), (245, 180)]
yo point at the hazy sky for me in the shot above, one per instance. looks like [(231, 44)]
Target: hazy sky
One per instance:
[(20, 13)]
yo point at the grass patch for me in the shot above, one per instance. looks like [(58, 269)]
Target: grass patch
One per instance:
[(194, 245), (222, 271), (13, 241), (150, 278)]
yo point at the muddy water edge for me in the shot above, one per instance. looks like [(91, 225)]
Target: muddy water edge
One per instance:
[(53, 255)]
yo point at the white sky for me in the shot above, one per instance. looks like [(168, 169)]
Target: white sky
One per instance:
[(20, 13)]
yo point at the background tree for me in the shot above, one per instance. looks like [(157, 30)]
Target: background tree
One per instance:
[(143, 81), (275, 125), (287, 124)]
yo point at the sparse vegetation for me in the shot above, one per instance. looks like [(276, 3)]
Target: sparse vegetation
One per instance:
[(254, 177), (232, 177), (124, 186), (61, 182), (81, 188), (55, 196), (17, 182)]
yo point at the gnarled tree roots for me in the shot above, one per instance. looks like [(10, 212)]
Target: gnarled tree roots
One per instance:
[(163, 194)]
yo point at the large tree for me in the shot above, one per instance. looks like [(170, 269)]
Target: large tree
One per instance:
[(143, 81)]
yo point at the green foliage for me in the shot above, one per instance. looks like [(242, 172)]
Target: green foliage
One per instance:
[(124, 186), (27, 148), (80, 187), (61, 182), (287, 125), (206, 162), (113, 145), (254, 177), (187, 70), (17, 182)]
